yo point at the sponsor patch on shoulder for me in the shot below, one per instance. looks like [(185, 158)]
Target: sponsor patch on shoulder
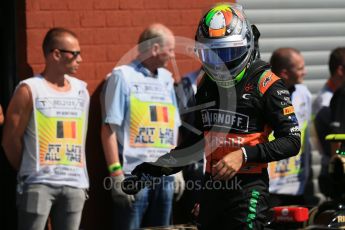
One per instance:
[(288, 110), (266, 80)]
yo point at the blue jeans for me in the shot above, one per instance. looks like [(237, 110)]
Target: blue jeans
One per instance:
[(153, 206)]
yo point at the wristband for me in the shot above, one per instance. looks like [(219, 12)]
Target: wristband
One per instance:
[(244, 154), (114, 167)]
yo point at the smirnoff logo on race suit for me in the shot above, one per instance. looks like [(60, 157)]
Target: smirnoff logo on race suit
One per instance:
[(227, 119)]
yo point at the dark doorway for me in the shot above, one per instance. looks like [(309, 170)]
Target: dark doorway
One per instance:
[(8, 79)]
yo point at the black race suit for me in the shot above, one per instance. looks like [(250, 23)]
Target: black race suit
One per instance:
[(242, 117)]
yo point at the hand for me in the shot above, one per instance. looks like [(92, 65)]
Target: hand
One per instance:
[(153, 170), (179, 185), (148, 168), (228, 166), (117, 194)]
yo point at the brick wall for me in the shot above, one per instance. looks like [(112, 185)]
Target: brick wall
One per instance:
[(107, 29)]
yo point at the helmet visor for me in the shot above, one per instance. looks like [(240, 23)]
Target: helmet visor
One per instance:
[(217, 56)]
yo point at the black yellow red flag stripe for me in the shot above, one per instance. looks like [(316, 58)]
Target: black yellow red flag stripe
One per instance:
[(66, 129)]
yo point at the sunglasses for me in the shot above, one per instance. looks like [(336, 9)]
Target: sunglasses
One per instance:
[(74, 53)]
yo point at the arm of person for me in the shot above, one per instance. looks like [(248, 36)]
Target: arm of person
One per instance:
[(113, 101), (281, 118), (110, 148), (17, 118)]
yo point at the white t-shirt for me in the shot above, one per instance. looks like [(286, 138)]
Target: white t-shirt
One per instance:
[(144, 111), (54, 141)]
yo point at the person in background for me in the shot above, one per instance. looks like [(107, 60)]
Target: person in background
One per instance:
[(195, 78), (321, 111), (289, 177), (337, 158), (140, 123), (44, 138), (185, 89)]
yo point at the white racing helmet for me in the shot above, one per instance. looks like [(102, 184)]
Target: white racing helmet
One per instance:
[(225, 43)]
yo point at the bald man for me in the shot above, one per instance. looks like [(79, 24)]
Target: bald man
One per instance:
[(140, 124), (44, 138), (288, 177)]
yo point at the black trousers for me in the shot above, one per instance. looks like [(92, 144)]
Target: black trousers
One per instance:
[(239, 203)]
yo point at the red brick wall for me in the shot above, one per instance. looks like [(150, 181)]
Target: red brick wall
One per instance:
[(107, 29)]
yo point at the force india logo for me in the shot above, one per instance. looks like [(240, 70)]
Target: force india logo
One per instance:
[(267, 80), (226, 119)]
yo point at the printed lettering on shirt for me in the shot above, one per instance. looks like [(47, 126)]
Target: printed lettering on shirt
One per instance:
[(282, 92), (59, 103), (151, 124), (60, 107), (142, 87), (60, 124), (225, 141), (219, 144), (288, 110), (61, 153), (227, 119), (246, 96), (150, 91), (287, 99), (147, 135), (55, 153), (341, 219), (295, 134), (294, 129), (73, 153)]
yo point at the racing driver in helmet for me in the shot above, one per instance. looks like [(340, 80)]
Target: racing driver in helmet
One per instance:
[(239, 103)]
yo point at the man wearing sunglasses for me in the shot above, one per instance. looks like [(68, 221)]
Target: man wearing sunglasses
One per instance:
[(44, 138)]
